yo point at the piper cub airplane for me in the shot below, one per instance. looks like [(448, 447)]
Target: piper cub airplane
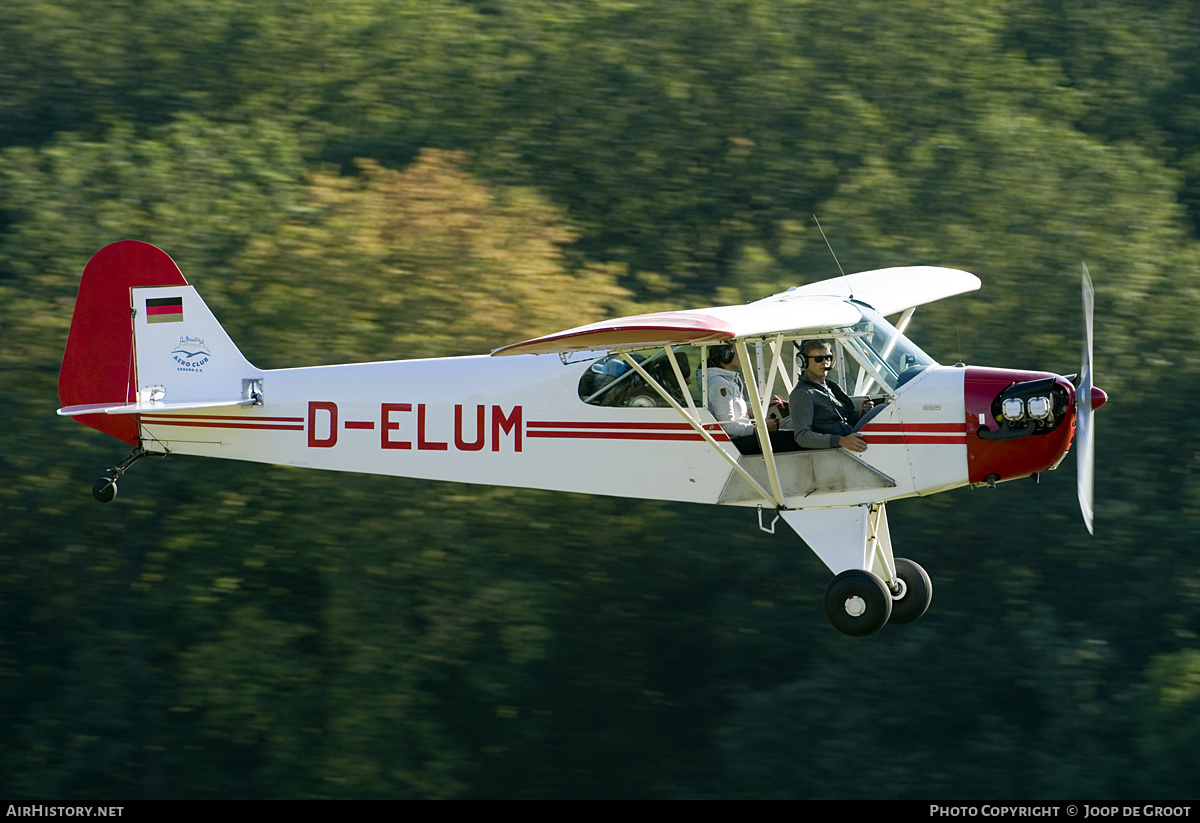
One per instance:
[(148, 363)]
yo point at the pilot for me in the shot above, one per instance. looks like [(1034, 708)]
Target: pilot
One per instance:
[(823, 415), (727, 402)]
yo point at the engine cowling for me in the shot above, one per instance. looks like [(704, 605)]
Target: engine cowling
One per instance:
[(1019, 423)]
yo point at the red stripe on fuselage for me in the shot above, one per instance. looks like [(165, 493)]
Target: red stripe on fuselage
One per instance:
[(219, 421), (542, 424), (605, 435), (573, 429), (169, 417), (196, 424), (916, 428), (913, 434)]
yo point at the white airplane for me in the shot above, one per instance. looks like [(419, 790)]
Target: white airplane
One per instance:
[(614, 409)]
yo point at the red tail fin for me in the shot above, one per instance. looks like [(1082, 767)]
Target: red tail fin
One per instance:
[(98, 365)]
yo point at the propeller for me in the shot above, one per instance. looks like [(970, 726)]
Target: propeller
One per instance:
[(1084, 431)]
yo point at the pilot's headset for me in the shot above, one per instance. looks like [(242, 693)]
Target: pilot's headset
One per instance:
[(800, 355), (722, 355)]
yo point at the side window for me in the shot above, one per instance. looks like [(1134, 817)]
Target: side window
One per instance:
[(611, 381)]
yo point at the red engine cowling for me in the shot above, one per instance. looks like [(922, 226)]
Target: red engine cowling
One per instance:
[(1019, 423)]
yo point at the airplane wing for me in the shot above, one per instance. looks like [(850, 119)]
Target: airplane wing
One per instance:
[(700, 326), (888, 291), (815, 307), (635, 332)]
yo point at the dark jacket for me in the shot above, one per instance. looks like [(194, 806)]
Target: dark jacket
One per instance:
[(821, 415)]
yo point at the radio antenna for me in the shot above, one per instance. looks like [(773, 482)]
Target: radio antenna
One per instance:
[(849, 285)]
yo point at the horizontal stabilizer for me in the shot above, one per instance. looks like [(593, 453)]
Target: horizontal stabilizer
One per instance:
[(149, 407)]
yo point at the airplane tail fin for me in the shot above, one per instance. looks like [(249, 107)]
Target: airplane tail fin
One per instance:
[(141, 339)]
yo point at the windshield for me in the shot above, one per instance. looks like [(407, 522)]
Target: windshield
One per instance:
[(884, 353)]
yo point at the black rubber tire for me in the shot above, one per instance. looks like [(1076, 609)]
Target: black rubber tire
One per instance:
[(104, 489), (876, 603), (918, 592)]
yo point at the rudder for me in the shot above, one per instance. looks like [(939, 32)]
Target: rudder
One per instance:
[(98, 364)]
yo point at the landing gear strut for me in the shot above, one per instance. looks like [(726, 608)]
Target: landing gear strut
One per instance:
[(105, 489)]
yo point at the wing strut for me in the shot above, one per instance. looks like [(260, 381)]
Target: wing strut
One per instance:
[(760, 429), (777, 365), (776, 348), (687, 395), (695, 424)]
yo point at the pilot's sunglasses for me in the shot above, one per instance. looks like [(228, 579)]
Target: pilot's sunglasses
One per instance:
[(828, 358)]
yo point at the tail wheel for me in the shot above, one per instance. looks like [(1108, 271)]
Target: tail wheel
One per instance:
[(915, 592), (857, 603), (104, 489)]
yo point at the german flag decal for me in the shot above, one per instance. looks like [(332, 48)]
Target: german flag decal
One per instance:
[(164, 310)]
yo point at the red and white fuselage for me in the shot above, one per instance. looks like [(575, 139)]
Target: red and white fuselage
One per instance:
[(148, 363)]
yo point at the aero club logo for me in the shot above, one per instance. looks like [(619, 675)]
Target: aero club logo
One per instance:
[(191, 354)]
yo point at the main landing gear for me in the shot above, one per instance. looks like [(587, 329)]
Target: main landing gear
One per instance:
[(871, 587), (915, 592), (105, 489), (859, 603)]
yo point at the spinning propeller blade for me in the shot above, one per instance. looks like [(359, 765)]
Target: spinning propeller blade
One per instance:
[(1084, 433)]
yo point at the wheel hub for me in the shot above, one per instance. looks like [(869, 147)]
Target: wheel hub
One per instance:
[(855, 606)]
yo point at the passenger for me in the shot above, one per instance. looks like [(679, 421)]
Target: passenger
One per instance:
[(610, 382), (596, 385), (660, 369), (822, 414), (727, 402)]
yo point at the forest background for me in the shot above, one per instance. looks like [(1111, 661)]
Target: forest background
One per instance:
[(376, 179)]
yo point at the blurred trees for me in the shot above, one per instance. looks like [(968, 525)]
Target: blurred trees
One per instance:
[(426, 262), (397, 179)]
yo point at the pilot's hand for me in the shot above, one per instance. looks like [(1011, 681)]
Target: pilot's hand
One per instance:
[(772, 424), (853, 442), (867, 405)]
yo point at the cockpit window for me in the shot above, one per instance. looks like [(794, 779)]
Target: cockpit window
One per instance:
[(611, 381), (890, 355), (874, 352)]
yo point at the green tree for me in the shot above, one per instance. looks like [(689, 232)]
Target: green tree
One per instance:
[(421, 262)]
